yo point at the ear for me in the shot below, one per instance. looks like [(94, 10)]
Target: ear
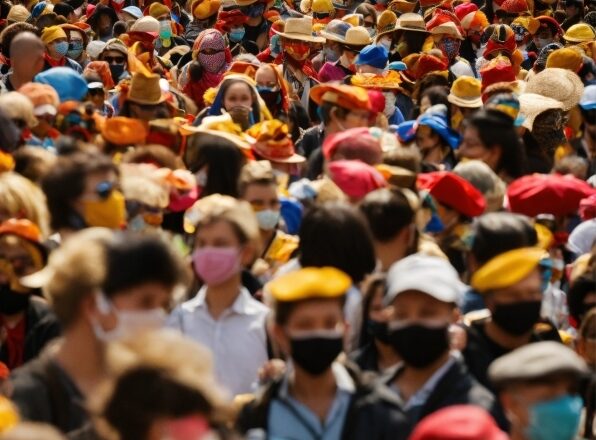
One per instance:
[(281, 339), (248, 254)]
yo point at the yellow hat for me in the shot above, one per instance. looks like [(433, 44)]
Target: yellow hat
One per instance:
[(9, 417), (578, 33), (527, 22), (507, 269), (353, 19), (322, 6), (203, 9), (565, 58), (157, 10), (309, 283), (52, 33), (465, 92), (545, 237)]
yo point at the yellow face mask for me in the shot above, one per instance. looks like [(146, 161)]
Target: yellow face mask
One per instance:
[(107, 213), (456, 119)]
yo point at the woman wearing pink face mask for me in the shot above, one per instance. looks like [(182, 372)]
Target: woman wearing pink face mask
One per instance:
[(223, 316)]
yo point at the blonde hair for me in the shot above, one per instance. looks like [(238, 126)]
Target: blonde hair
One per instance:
[(21, 198)]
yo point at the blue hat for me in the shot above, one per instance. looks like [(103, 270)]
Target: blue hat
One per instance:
[(435, 118), (134, 11), (397, 65), (373, 55), (291, 212), (70, 85), (588, 99)]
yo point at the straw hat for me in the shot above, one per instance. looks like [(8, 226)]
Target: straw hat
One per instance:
[(566, 58), (449, 29), (402, 6), (272, 142), (532, 105), (353, 19), (300, 29), (560, 84), (18, 14), (391, 80), (357, 36), (124, 131), (145, 89), (465, 92), (345, 96), (386, 23), (412, 22)]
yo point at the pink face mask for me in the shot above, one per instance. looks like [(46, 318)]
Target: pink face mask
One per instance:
[(191, 427), (216, 265), (182, 201)]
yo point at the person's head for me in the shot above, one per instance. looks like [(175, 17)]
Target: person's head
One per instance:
[(369, 16), (21, 254), (373, 319), (480, 175), (116, 55), (33, 163), (77, 41), (113, 285), (270, 89), (491, 137), (421, 298), (239, 97), (581, 297), (11, 31), (97, 92), (308, 318), (154, 154), (332, 234), (216, 161), (586, 341), (26, 54), (259, 188), (343, 118), (298, 120), (511, 284), (237, 93), (574, 165), (21, 199), (574, 7), (56, 42), (547, 33), (225, 239), (342, 107), (432, 96), (538, 387), (82, 191), (390, 214)]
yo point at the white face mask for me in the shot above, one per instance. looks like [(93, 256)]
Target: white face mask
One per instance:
[(129, 322), (267, 219)]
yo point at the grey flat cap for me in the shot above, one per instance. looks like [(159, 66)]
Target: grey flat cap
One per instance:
[(533, 361)]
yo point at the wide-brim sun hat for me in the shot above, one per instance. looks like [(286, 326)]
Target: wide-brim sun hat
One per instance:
[(300, 29), (532, 105), (336, 30), (357, 36), (560, 84)]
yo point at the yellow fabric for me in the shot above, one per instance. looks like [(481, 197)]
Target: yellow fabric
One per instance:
[(9, 417), (281, 249), (52, 33), (565, 58), (579, 33), (322, 6), (529, 23), (348, 97), (309, 283), (466, 87), (6, 161), (157, 10), (545, 237), (506, 269)]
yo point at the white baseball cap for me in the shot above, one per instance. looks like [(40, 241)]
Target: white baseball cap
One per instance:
[(423, 273)]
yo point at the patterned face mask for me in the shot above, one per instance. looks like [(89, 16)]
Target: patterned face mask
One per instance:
[(449, 47), (212, 52), (520, 33), (299, 51)]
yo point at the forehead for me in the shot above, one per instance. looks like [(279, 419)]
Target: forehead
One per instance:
[(217, 228), (112, 53), (265, 74), (415, 298), (238, 87), (75, 35), (260, 191), (314, 309)]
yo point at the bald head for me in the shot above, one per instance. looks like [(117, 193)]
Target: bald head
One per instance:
[(25, 44)]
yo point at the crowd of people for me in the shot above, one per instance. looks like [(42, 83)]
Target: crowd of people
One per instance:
[(314, 220)]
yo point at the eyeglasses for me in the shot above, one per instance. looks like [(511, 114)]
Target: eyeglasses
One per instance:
[(210, 51), (114, 60), (104, 189)]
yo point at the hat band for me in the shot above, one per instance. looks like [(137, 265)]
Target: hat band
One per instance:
[(273, 150)]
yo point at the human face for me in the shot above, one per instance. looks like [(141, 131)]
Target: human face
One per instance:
[(52, 48), (113, 57), (238, 95), (416, 306), (265, 77), (377, 311), (429, 145), (97, 97), (472, 148), (146, 296), (311, 316), (221, 234), (356, 118), (528, 289), (262, 197), (95, 184), (104, 25), (17, 259)]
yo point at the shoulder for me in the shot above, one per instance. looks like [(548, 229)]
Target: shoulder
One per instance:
[(29, 387)]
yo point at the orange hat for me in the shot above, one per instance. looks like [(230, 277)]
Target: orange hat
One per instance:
[(348, 97), (124, 131), (474, 20), (427, 63), (44, 98), (203, 9), (565, 58), (21, 228), (498, 69), (157, 10), (453, 191), (102, 68), (501, 40), (273, 142), (515, 6)]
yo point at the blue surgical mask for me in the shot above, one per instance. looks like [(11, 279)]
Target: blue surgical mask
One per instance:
[(331, 55), (267, 219), (61, 48), (556, 419), (165, 30), (75, 49), (237, 34)]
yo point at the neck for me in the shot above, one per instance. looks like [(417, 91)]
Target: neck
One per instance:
[(504, 339), (387, 357), (389, 253), (266, 237), (221, 297), (304, 386), (82, 355)]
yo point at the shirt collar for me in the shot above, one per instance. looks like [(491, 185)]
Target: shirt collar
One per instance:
[(343, 380), (244, 304)]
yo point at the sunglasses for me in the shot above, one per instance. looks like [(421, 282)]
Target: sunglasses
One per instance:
[(114, 60), (96, 92), (104, 189)]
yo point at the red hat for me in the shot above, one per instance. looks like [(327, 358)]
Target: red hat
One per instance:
[(515, 6), (356, 179), (502, 39), (545, 21), (547, 194), (355, 143), (458, 422), (587, 208), (464, 9), (377, 100), (454, 191), (442, 16), (427, 63), (499, 69)]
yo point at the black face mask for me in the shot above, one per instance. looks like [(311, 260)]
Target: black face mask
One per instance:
[(116, 70), (12, 302), (517, 318), (419, 345), (315, 354), (272, 98), (378, 330)]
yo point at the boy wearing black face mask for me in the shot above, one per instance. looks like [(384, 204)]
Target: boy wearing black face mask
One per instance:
[(422, 292), (511, 286), (317, 398)]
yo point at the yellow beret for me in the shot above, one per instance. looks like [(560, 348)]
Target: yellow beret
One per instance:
[(507, 269), (52, 33), (310, 283), (565, 58)]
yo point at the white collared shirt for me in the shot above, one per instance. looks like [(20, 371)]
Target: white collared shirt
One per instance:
[(237, 340)]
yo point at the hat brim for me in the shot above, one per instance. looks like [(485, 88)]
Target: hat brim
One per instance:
[(45, 109), (188, 130), (588, 106), (301, 37), (295, 158), (465, 103), (332, 37)]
